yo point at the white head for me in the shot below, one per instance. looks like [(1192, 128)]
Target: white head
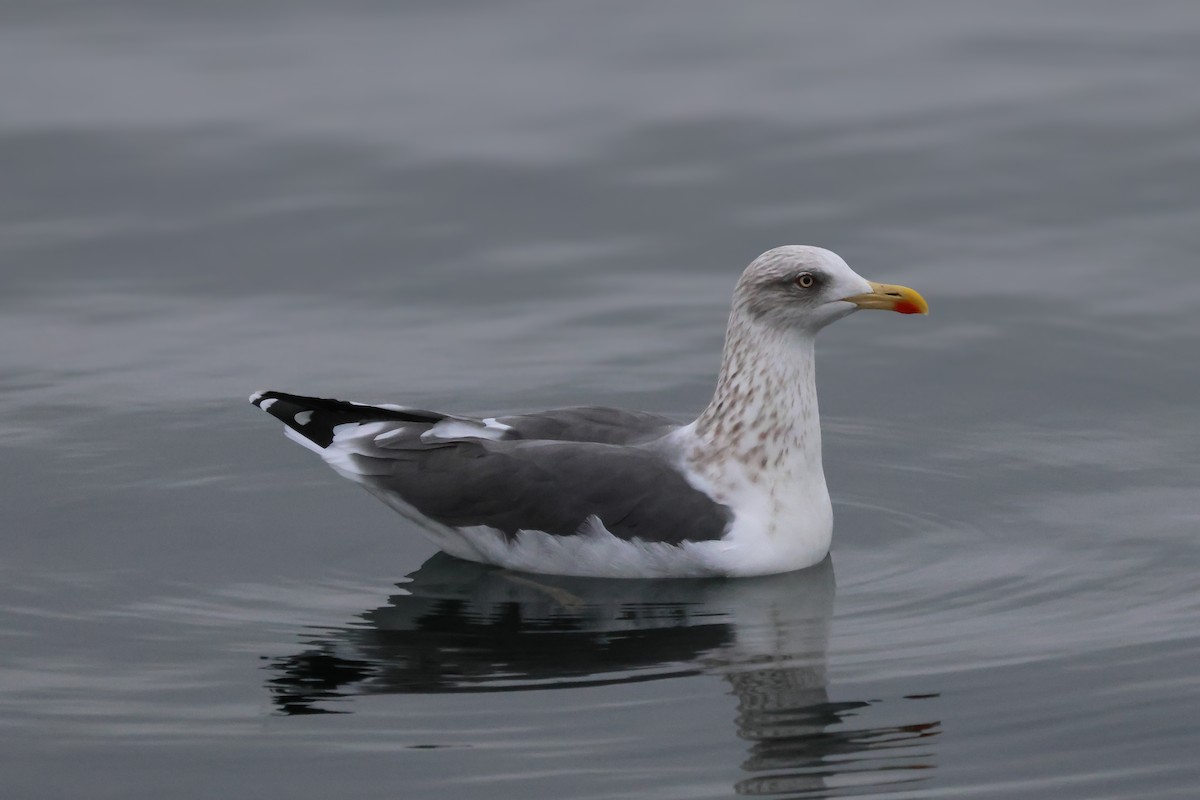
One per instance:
[(803, 288)]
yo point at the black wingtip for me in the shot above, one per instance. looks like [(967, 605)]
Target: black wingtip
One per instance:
[(265, 400), (300, 414), (314, 418)]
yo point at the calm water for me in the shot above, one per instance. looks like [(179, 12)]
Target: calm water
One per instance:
[(515, 206)]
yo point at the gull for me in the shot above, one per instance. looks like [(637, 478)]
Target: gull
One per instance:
[(595, 491)]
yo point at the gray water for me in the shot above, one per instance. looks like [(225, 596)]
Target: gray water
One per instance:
[(514, 206)]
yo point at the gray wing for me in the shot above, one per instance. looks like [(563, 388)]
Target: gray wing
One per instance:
[(546, 472), (552, 487)]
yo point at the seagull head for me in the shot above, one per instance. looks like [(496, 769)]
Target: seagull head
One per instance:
[(803, 288)]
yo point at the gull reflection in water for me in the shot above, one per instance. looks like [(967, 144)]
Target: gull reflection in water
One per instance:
[(463, 627)]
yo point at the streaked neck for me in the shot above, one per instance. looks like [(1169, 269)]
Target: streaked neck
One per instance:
[(764, 411)]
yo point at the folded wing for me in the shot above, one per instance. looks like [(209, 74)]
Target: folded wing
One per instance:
[(551, 472)]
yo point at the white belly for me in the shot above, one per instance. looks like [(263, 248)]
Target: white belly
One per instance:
[(749, 548)]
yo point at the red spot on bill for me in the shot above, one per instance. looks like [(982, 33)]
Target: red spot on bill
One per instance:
[(905, 307)]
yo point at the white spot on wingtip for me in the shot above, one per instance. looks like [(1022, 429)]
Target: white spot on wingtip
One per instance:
[(303, 417), (265, 404), (254, 398)]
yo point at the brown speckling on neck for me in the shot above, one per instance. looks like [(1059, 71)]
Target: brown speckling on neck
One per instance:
[(763, 414)]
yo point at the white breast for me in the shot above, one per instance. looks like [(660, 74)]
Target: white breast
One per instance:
[(782, 519)]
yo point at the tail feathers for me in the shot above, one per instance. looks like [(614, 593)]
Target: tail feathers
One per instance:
[(313, 419)]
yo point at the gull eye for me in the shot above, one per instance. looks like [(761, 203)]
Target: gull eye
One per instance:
[(805, 280)]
